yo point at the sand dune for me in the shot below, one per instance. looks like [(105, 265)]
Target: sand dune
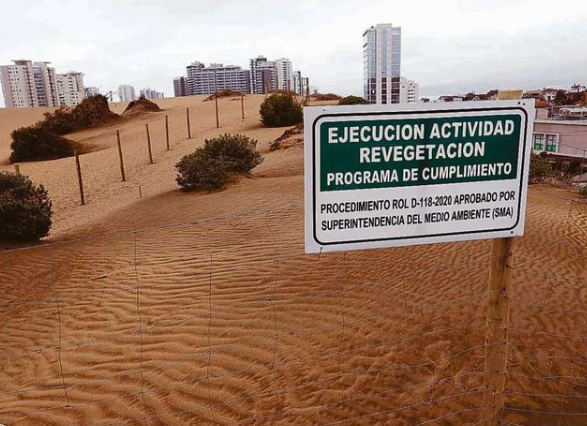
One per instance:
[(212, 314)]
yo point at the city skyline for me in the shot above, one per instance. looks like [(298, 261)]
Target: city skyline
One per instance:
[(489, 42)]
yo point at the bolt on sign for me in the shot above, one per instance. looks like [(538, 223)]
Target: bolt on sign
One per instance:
[(395, 175)]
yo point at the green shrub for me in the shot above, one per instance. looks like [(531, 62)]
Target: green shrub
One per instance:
[(353, 100), (42, 141), (39, 143), (540, 168), (281, 110), (25, 209), (90, 112), (209, 167), (198, 171), (59, 122), (237, 152)]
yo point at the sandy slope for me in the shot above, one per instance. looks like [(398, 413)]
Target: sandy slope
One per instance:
[(212, 315)]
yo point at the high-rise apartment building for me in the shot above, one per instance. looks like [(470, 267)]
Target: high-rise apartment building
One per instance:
[(284, 74), (126, 93), (263, 75), (202, 80), (409, 91), (28, 84), (180, 86), (151, 94), (382, 64), (296, 82), (70, 88)]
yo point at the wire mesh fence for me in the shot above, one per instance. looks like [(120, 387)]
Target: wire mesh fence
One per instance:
[(226, 321)]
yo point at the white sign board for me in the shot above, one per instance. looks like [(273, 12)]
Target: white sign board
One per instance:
[(405, 174)]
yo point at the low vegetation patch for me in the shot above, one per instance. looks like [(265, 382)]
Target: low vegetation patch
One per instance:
[(226, 93), (326, 97), (211, 166), (25, 209), (140, 107), (353, 100), (289, 138), (43, 140), (281, 110), (540, 168)]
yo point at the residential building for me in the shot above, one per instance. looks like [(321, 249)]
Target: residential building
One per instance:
[(202, 80), (28, 84), (180, 86), (296, 79), (70, 88), (92, 91), (382, 64), (263, 75), (409, 91), (126, 93), (149, 93), (561, 139), (284, 74)]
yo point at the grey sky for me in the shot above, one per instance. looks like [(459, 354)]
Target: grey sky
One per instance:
[(448, 46)]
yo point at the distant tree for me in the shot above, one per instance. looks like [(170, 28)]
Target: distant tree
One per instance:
[(560, 97), (281, 110), (353, 100)]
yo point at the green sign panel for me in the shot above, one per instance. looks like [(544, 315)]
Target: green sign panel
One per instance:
[(416, 151)]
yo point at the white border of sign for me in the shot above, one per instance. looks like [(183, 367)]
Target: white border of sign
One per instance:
[(312, 148)]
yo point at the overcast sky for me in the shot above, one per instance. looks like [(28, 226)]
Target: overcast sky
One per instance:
[(448, 46)]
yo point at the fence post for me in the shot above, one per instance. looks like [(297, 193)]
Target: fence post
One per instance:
[(79, 178), (167, 131), (120, 156), (242, 105), (149, 143), (187, 113), (17, 169), (216, 100), (496, 329)]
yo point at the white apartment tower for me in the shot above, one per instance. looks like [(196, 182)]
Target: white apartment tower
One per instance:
[(263, 75), (382, 64), (70, 88), (409, 91), (284, 74), (28, 84), (126, 93), (296, 81)]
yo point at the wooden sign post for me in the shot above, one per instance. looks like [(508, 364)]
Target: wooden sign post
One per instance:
[(496, 329)]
